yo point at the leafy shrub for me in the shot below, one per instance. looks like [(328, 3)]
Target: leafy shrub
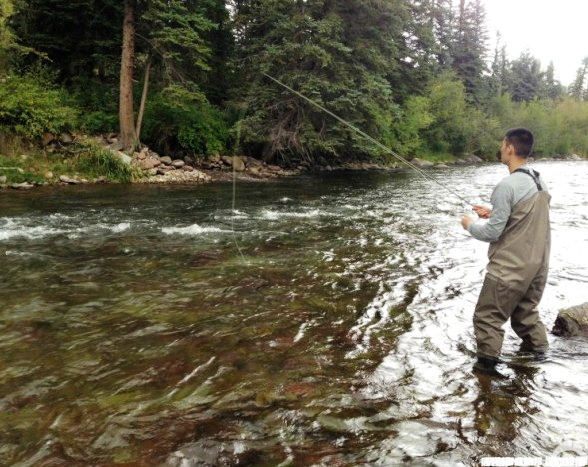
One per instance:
[(177, 120), (99, 121), (98, 102), (29, 107)]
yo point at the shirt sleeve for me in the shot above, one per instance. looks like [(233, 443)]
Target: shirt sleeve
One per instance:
[(502, 201)]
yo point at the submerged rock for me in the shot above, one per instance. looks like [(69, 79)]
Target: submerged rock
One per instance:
[(209, 451), (572, 321)]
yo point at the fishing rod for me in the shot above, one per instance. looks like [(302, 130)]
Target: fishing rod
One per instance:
[(369, 138)]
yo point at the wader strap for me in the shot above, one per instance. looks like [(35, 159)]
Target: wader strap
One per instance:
[(534, 175)]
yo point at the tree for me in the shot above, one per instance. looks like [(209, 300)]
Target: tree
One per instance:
[(553, 88), (443, 22), (497, 81), (79, 38), (169, 37), (172, 33), (526, 78), (469, 48), (447, 105), (576, 89), (359, 59), (6, 39), (128, 134)]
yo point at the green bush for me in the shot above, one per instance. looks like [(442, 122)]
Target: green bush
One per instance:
[(448, 108), (98, 102), (29, 107), (99, 121), (176, 120)]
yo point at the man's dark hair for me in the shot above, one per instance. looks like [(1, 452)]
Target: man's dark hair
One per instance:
[(521, 139)]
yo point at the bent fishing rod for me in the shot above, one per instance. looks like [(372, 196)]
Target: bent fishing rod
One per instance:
[(369, 138)]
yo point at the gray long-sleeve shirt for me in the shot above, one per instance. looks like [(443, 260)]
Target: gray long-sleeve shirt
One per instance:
[(517, 187)]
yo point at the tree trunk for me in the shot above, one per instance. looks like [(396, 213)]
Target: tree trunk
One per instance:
[(143, 99), (128, 135)]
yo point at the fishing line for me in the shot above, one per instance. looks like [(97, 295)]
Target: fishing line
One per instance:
[(235, 198), (369, 138)]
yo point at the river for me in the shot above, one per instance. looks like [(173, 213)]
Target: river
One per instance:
[(325, 320)]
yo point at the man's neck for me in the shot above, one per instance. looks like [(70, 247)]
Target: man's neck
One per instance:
[(516, 163)]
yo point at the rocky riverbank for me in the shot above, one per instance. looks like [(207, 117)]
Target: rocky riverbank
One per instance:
[(150, 167)]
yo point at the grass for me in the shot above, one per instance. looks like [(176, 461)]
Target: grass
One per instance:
[(84, 160)]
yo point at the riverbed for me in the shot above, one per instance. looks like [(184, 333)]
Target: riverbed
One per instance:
[(314, 320)]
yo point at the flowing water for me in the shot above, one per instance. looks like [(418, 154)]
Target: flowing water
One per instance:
[(324, 321)]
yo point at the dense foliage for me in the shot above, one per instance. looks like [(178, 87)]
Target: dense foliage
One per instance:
[(417, 75)]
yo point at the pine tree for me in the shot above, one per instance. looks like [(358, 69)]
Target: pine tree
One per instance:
[(526, 78), (357, 58), (553, 88), (498, 70), (469, 48), (80, 38), (577, 87)]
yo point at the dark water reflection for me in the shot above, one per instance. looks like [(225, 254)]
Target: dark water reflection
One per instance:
[(326, 321)]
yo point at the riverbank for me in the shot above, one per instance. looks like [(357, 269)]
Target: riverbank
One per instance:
[(67, 160)]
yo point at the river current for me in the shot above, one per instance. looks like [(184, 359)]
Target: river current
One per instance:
[(325, 320)]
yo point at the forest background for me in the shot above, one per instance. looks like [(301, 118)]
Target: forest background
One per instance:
[(186, 78)]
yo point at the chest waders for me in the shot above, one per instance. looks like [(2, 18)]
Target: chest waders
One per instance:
[(516, 277)]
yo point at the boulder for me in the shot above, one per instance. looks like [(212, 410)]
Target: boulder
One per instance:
[(142, 154), (48, 138), (125, 158), (575, 157), (473, 159), (235, 162), (163, 169), (252, 162), (572, 321), (148, 163), (68, 180), (3, 179), (421, 163), (66, 138), (238, 164), (178, 164), (166, 160), (22, 186), (255, 170)]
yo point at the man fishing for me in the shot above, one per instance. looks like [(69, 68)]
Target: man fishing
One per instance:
[(519, 234)]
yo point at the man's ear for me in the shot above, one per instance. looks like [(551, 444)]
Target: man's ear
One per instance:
[(510, 149)]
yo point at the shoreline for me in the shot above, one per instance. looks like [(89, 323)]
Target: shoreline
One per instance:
[(158, 170)]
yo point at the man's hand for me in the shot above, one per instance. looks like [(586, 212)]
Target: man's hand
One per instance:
[(482, 210), (466, 221)]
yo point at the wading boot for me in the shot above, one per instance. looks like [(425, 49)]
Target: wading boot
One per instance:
[(488, 366)]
